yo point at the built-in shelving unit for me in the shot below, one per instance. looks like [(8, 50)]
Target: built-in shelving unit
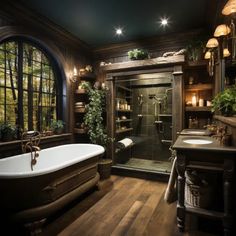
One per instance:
[(196, 109), (81, 99), (198, 94), (123, 130), (123, 110)]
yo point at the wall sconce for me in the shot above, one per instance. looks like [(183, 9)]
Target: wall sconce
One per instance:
[(74, 75), (212, 44), (230, 9), (223, 32)]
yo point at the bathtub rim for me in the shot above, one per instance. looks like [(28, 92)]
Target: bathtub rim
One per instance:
[(12, 175)]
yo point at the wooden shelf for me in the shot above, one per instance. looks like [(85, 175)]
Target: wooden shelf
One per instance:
[(227, 120), (87, 75), (80, 110), (123, 130), (144, 63), (125, 120), (198, 108), (80, 91), (124, 88), (204, 212), (80, 131), (198, 87), (119, 110), (165, 115)]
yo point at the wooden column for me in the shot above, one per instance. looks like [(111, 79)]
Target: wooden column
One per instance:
[(181, 163), (177, 102), (228, 196)]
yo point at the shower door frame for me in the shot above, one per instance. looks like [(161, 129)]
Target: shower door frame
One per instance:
[(177, 100)]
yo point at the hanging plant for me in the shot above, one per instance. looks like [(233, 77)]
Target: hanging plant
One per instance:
[(93, 118)]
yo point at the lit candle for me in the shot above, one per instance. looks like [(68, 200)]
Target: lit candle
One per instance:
[(201, 102), (194, 100), (75, 72)]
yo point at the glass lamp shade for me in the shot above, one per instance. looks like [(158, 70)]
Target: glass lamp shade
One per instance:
[(226, 52), (229, 8), (212, 43), (221, 30), (207, 55)]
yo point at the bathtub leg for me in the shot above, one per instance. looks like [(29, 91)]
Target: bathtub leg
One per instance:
[(35, 228)]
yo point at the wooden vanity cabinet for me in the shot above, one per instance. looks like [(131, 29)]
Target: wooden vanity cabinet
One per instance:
[(210, 160)]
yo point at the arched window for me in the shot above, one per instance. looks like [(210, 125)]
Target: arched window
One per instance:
[(28, 87)]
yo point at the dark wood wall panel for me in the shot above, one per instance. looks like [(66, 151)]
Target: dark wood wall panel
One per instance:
[(156, 46), (67, 50)]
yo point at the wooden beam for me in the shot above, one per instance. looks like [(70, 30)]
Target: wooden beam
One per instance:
[(143, 63)]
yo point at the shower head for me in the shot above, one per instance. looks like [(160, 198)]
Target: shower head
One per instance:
[(152, 96)]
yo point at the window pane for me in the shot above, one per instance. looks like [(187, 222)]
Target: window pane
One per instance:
[(38, 73), (36, 83), (2, 113)]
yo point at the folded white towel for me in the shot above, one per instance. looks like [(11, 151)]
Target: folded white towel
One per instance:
[(124, 143), (171, 193)]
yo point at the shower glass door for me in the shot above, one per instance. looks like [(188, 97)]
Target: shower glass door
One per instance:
[(143, 119)]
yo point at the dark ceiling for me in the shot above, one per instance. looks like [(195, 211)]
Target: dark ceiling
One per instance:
[(94, 21)]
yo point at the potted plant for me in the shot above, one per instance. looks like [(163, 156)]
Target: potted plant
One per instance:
[(225, 102), (93, 121), (195, 49), (57, 126), (7, 131), (138, 54)]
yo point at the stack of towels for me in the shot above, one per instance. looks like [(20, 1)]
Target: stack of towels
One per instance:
[(124, 143), (79, 105)]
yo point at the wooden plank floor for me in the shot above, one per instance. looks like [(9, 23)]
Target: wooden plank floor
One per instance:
[(123, 207)]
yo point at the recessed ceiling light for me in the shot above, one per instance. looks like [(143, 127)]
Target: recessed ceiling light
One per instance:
[(164, 22), (119, 31)]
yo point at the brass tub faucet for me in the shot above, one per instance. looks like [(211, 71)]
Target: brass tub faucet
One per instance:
[(30, 142)]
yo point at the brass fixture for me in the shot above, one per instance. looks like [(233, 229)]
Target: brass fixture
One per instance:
[(74, 75), (222, 136), (225, 34), (30, 142)]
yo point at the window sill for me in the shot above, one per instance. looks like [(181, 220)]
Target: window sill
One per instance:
[(14, 147)]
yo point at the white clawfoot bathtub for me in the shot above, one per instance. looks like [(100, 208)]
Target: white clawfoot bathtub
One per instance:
[(61, 174)]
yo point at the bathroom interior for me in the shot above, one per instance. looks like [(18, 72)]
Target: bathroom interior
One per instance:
[(148, 120), (117, 125)]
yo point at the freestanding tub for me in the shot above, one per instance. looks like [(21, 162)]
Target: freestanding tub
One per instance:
[(60, 175)]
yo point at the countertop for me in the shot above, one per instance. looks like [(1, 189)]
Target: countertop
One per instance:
[(215, 146)]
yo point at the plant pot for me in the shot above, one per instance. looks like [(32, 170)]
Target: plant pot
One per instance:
[(104, 168), (7, 137), (58, 131)]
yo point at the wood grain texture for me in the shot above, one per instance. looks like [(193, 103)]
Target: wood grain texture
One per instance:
[(143, 63), (130, 207)]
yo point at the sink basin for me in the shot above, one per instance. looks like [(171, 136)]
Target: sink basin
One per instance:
[(197, 141)]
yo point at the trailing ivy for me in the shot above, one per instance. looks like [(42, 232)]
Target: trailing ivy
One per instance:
[(93, 118)]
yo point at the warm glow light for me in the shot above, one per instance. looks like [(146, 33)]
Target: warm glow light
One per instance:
[(119, 31), (194, 100), (212, 43), (221, 30), (75, 72), (226, 52), (164, 22), (229, 8), (207, 55)]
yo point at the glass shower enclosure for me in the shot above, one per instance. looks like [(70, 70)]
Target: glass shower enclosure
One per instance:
[(143, 122)]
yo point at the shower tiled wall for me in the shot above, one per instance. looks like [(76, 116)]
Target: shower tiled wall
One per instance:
[(144, 125)]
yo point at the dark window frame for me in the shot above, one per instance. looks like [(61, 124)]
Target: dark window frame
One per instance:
[(58, 82)]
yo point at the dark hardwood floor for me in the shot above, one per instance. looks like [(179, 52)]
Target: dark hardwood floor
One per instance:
[(123, 206)]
